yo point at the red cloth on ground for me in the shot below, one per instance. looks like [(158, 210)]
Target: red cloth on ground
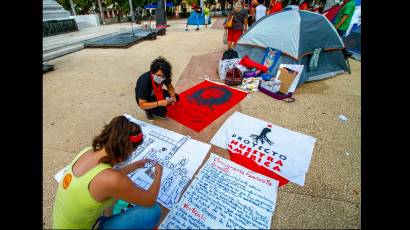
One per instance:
[(202, 104), (159, 94), (247, 62), (234, 35)]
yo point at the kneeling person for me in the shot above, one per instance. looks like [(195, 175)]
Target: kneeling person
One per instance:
[(150, 95)]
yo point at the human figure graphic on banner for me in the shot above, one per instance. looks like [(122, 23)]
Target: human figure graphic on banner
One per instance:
[(150, 95), (90, 185)]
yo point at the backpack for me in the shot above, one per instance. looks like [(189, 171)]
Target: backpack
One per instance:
[(229, 54), (233, 77)]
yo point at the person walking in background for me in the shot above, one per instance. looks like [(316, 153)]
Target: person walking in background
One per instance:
[(197, 11), (318, 8), (304, 5), (240, 24), (275, 6), (251, 14), (344, 16), (293, 5), (206, 12), (260, 10)]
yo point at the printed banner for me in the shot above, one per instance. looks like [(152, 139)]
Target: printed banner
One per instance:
[(265, 148), (225, 195), (200, 105)]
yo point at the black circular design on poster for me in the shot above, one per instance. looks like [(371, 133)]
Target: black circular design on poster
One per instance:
[(210, 96)]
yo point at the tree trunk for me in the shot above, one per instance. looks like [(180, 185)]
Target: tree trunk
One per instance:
[(223, 7), (160, 14), (132, 11), (73, 8), (101, 12)]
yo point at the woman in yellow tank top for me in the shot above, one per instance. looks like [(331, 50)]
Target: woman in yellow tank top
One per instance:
[(90, 186)]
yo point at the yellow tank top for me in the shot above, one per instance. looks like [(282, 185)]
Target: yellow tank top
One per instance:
[(74, 207)]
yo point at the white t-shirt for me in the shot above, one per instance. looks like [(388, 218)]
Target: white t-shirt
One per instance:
[(260, 12)]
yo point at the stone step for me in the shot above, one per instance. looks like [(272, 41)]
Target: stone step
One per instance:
[(63, 51), (73, 47), (82, 25)]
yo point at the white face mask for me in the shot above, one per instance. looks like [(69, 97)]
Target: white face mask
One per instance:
[(157, 79)]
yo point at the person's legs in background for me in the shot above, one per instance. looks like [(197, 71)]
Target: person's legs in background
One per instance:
[(236, 35), (137, 217), (206, 21), (230, 38), (197, 21)]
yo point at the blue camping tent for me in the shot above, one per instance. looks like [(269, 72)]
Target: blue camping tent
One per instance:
[(353, 42), (297, 34)]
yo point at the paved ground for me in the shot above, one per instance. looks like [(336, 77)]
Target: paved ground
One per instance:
[(89, 87)]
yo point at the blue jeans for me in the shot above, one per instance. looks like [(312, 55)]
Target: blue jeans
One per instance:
[(137, 217)]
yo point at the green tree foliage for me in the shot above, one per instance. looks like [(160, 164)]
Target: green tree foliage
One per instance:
[(211, 2), (81, 6), (189, 2)]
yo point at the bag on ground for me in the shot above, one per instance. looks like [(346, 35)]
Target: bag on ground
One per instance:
[(233, 77)]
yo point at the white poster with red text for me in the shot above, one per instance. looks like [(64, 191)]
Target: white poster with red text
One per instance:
[(225, 195), (265, 148)]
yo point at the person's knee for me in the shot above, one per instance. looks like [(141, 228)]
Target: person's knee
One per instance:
[(155, 213)]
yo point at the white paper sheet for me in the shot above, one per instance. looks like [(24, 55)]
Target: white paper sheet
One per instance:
[(225, 195), (293, 149)]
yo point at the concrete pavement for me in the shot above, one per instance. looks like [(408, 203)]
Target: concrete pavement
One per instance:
[(89, 87)]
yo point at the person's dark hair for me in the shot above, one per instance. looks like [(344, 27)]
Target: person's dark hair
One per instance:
[(261, 1), (161, 64), (115, 138)]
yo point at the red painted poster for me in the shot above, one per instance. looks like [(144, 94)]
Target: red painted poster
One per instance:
[(200, 105)]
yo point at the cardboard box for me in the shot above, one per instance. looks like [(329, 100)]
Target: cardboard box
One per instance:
[(287, 76)]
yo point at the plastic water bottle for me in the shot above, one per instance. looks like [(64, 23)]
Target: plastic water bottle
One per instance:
[(343, 118)]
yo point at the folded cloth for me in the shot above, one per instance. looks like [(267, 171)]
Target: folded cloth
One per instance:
[(246, 61), (252, 74), (225, 65), (250, 84)]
